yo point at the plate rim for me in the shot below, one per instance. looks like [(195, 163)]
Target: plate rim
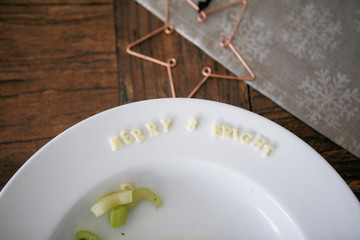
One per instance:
[(326, 164)]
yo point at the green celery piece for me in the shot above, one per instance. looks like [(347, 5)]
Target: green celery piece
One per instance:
[(86, 235), (103, 196), (117, 216), (144, 194), (108, 201)]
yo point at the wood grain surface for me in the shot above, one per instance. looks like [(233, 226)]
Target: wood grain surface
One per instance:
[(64, 61)]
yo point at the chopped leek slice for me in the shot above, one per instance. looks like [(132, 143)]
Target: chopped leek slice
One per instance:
[(144, 194), (109, 201), (117, 216), (86, 235), (126, 186)]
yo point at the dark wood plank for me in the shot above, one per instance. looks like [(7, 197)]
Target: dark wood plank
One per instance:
[(63, 43), (13, 155), (58, 67), (51, 112)]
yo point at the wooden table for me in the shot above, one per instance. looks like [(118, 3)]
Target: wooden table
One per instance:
[(64, 60)]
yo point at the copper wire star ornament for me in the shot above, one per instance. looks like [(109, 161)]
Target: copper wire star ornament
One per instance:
[(207, 72)]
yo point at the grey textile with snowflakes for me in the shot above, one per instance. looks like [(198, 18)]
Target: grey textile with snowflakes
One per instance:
[(305, 55)]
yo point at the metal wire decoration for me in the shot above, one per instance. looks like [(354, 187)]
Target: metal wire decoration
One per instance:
[(201, 17), (171, 62)]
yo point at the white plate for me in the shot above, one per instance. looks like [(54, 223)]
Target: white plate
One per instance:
[(212, 188)]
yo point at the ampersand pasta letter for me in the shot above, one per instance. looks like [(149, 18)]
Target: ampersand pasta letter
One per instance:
[(192, 125)]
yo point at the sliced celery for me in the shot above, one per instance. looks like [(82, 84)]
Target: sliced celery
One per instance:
[(106, 202), (117, 216), (144, 194), (86, 235)]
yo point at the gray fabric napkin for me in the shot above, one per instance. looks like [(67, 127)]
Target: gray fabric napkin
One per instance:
[(305, 55)]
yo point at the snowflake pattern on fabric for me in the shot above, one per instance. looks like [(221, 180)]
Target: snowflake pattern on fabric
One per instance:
[(311, 32), (252, 39), (328, 97), (351, 145), (278, 94), (357, 21)]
